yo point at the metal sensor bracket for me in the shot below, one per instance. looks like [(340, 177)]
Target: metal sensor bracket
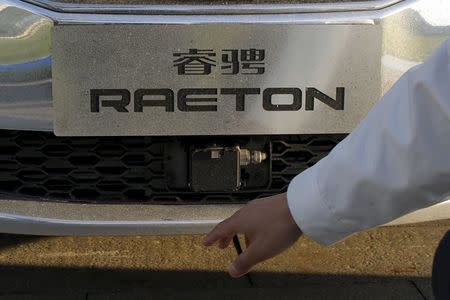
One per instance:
[(215, 169), (219, 168)]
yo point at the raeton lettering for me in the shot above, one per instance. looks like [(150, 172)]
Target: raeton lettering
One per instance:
[(205, 99)]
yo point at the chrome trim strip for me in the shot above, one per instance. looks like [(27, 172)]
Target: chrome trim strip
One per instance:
[(214, 9), (50, 218), (363, 17)]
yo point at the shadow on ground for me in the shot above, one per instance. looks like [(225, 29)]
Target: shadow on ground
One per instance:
[(33, 267), (20, 282), (10, 240)]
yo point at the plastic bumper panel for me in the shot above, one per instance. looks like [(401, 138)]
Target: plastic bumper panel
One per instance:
[(44, 218)]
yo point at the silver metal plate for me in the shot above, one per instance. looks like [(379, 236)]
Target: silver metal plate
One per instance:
[(133, 57)]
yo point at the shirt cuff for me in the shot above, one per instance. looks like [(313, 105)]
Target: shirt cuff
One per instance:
[(314, 216)]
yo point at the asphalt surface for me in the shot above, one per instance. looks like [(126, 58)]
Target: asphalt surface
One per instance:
[(386, 263)]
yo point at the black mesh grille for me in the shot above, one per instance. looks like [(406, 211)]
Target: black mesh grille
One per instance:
[(131, 169)]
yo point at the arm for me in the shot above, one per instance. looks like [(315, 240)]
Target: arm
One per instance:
[(396, 161)]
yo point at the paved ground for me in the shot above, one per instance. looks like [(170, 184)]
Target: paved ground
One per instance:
[(387, 263)]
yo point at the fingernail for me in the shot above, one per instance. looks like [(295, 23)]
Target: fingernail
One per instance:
[(233, 271)]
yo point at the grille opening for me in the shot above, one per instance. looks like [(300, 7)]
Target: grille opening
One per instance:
[(9, 149), (32, 175), (8, 166), (9, 185), (86, 159), (58, 184), (135, 159), (278, 166), (297, 156), (56, 170), (39, 165), (33, 191), (279, 147), (85, 194)]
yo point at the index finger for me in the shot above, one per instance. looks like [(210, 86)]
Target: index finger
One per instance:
[(223, 230)]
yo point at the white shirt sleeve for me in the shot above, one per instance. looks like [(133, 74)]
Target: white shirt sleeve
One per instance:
[(396, 161)]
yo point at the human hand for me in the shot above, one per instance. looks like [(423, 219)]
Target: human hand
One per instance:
[(268, 227)]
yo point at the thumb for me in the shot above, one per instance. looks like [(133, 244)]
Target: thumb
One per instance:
[(245, 261)]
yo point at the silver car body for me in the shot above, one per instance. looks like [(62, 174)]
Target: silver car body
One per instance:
[(398, 34)]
